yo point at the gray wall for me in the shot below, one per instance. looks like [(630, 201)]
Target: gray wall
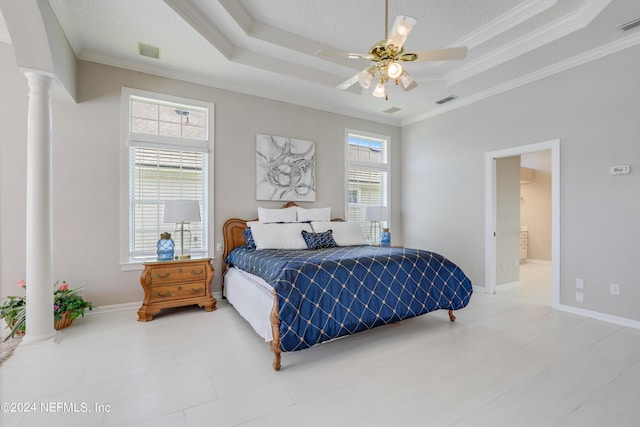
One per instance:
[(594, 110), (535, 209), (87, 170), (507, 220)]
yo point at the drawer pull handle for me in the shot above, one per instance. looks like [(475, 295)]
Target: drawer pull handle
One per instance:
[(166, 294), (197, 273), (200, 289), (162, 276)]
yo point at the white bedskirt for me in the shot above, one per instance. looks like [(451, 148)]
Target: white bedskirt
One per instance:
[(251, 296)]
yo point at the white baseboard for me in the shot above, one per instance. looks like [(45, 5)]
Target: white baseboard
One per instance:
[(622, 321), (115, 307), (509, 285), (130, 306)]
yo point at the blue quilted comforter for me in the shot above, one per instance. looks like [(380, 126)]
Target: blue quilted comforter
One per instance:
[(327, 293)]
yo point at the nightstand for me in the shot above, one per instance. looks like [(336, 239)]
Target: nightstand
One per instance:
[(176, 284)]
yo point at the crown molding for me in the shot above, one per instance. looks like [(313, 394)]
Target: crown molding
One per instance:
[(202, 25), (553, 31), (504, 22), (567, 64), (159, 71)]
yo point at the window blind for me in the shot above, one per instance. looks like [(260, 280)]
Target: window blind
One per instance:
[(157, 175)]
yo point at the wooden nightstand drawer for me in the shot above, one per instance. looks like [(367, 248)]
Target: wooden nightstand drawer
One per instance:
[(176, 283), (185, 290), (178, 274)]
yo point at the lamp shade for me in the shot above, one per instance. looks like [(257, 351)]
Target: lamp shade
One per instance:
[(375, 213), (181, 211)]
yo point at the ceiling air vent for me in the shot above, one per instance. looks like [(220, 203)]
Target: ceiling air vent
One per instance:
[(391, 110), (447, 99), (148, 50), (629, 25)]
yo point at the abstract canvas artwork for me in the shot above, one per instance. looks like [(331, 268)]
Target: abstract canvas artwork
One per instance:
[(285, 169)]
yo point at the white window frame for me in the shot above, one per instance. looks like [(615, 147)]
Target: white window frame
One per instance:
[(205, 146), (373, 166)]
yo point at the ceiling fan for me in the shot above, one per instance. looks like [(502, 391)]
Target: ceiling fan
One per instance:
[(386, 57)]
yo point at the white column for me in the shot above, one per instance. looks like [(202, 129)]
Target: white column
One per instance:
[(39, 275)]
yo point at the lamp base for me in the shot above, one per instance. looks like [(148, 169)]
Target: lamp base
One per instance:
[(184, 257)]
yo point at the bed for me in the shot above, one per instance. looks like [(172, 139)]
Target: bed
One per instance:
[(298, 298)]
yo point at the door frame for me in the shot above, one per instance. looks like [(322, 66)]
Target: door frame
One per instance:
[(490, 213)]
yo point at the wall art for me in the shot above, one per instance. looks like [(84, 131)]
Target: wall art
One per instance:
[(285, 169)]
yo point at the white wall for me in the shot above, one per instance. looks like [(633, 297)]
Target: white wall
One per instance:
[(594, 110), (87, 170)]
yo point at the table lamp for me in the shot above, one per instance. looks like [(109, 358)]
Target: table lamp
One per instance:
[(182, 212)]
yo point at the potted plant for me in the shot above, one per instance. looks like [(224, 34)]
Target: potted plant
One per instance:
[(68, 305), (13, 311)]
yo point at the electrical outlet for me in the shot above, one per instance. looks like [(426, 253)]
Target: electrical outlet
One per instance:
[(580, 283), (615, 289), (579, 296)]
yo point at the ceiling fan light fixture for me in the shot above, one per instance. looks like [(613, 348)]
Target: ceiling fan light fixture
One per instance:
[(394, 70), (365, 77), (380, 91), (404, 26), (406, 79), (400, 30)]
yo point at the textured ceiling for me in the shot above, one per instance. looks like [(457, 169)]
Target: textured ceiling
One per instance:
[(267, 47)]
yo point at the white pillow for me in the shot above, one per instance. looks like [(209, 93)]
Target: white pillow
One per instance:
[(277, 215), (279, 236), (314, 214), (344, 233)]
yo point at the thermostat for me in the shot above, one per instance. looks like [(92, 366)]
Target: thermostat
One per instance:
[(619, 170)]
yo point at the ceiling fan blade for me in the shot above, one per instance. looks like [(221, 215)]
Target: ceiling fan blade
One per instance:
[(332, 54), (350, 81), (400, 30), (438, 54)]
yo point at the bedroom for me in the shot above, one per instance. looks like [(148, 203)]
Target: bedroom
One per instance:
[(598, 128)]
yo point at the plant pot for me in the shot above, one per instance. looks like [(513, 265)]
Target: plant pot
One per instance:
[(63, 322), (19, 331)]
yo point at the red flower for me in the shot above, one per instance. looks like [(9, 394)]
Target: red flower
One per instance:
[(22, 283), (63, 287)]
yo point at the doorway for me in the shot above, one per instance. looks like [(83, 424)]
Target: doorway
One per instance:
[(496, 238)]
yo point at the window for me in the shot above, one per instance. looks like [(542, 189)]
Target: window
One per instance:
[(167, 150), (367, 179)]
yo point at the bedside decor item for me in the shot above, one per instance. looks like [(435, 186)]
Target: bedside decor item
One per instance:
[(375, 214), (182, 212), (68, 305), (166, 247), (285, 168), (385, 238)]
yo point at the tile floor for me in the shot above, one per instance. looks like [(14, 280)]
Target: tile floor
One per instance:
[(506, 361)]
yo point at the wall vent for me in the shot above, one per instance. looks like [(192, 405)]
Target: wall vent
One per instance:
[(391, 110), (629, 25), (447, 99), (148, 50)]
